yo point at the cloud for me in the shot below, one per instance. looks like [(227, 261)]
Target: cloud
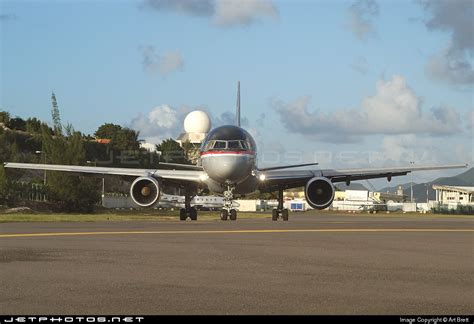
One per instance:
[(164, 64), (452, 65), (395, 109), (189, 7), (360, 65), (227, 118), (223, 13), (165, 121), (7, 17), (160, 123), (361, 14), (243, 12), (470, 121)]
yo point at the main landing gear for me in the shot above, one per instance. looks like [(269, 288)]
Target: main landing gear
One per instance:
[(280, 211), (187, 211), (227, 211)]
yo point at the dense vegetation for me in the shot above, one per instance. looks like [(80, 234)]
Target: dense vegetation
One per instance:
[(34, 141)]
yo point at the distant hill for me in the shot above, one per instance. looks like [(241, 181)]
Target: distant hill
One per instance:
[(353, 186), (465, 179)]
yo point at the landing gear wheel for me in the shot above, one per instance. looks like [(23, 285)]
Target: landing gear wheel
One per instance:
[(182, 214), (274, 215), (233, 214), (284, 214), (193, 214), (224, 214)]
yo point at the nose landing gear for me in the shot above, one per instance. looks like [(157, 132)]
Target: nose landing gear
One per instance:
[(227, 211)]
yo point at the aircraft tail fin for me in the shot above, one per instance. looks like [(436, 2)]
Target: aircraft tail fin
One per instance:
[(237, 113)]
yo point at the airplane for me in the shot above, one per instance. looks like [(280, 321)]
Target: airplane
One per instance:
[(228, 167)]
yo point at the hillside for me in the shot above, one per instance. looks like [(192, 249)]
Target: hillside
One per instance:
[(465, 179)]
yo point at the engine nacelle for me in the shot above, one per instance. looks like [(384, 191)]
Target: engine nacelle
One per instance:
[(145, 191), (319, 192)]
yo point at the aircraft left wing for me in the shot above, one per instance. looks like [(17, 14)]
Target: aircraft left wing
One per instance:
[(273, 179), (171, 175)]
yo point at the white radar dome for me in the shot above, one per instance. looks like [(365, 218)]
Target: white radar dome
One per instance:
[(197, 122)]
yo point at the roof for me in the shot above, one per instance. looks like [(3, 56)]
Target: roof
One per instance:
[(454, 188)]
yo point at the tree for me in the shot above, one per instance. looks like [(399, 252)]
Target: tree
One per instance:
[(33, 125), (3, 185), (58, 129), (17, 124), (122, 138), (191, 152), (171, 152), (4, 117), (71, 193)]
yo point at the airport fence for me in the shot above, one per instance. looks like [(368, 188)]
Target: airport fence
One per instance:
[(453, 209)]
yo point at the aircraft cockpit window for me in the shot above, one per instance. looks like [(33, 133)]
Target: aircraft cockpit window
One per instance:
[(234, 145), (219, 145)]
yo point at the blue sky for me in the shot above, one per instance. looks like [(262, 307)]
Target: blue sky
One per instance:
[(349, 83)]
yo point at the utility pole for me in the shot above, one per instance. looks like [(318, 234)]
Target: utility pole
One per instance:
[(44, 160), (411, 184)]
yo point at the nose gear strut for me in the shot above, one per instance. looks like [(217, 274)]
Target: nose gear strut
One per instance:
[(227, 210)]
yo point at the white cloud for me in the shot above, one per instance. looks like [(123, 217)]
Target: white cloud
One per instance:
[(164, 64), (243, 12), (453, 64), (190, 7), (361, 14), (223, 13), (394, 109), (160, 123)]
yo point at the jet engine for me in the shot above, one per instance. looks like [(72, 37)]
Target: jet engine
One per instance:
[(319, 192), (145, 191)]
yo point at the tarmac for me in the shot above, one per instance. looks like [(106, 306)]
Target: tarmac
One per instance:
[(314, 264)]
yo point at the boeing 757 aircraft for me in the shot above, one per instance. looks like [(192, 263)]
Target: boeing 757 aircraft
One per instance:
[(229, 167)]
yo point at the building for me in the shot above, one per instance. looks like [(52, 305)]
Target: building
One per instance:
[(454, 195)]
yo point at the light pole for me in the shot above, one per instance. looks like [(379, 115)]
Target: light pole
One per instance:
[(44, 172), (411, 184)]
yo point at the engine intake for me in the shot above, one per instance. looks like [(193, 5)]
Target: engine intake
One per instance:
[(145, 191), (319, 192)]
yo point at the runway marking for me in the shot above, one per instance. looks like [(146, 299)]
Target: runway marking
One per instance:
[(333, 230)]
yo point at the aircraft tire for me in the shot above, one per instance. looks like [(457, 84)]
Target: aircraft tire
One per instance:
[(182, 214), (224, 214), (233, 215), (284, 214), (193, 214), (274, 215)]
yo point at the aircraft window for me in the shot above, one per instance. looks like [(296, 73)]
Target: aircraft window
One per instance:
[(219, 145), (244, 145), (234, 145)]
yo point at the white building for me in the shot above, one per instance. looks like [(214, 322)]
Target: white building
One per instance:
[(454, 194)]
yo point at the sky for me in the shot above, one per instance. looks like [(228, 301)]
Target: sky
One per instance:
[(348, 84)]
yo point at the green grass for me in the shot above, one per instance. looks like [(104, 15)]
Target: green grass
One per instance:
[(112, 217), (167, 215)]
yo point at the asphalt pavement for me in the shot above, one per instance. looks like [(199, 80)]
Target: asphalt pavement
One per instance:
[(313, 264)]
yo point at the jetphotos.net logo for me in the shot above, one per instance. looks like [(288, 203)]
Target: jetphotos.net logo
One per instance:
[(70, 319)]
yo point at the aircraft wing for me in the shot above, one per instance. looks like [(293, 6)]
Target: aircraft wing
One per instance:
[(275, 179), (171, 175)]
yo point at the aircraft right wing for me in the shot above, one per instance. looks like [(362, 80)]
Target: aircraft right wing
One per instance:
[(276, 179)]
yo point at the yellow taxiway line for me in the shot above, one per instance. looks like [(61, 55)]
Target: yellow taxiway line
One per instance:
[(334, 230)]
